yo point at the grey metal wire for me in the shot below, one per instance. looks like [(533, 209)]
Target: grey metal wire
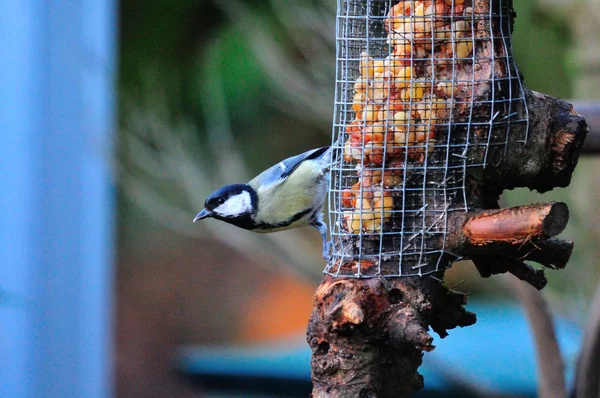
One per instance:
[(410, 121)]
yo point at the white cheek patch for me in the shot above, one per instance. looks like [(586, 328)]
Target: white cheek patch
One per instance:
[(235, 205)]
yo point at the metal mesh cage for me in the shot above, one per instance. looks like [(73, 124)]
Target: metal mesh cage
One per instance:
[(425, 92)]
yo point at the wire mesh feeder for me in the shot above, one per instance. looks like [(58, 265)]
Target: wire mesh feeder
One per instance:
[(426, 92)]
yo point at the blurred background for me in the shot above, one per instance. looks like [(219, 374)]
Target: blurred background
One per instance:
[(194, 95)]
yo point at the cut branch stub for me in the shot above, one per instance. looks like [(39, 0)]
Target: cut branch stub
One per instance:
[(499, 240), (518, 224)]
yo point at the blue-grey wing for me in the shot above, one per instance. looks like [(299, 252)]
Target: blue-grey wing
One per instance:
[(283, 169)]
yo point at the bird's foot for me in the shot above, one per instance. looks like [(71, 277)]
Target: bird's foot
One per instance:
[(327, 249), (325, 171)]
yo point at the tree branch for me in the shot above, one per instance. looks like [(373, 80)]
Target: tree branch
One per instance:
[(551, 370), (516, 225), (587, 376), (367, 335), (499, 240)]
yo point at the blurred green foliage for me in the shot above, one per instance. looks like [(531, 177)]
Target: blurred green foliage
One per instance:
[(542, 46), (180, 45)]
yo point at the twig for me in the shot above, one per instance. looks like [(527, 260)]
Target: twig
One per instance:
[(587, 376), (551, 371), (591, 112)]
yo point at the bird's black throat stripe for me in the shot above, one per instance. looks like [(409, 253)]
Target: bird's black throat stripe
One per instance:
[(247, 222), (290, 221)]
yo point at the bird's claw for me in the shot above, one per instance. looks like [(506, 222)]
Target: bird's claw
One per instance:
[(327, 256)]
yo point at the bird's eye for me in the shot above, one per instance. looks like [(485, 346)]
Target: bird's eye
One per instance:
[(220, 201)]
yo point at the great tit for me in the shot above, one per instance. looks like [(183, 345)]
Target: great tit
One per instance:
[(287, 195)]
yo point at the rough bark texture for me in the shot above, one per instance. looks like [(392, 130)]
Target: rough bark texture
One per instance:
[(368, 335), (555, 137), (516, 224)]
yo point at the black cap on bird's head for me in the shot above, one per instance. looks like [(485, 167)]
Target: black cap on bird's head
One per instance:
[(229, 202)]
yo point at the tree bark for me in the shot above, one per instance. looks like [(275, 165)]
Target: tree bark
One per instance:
[(367, 335), (591, 112)]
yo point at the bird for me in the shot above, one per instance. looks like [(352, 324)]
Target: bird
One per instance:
[(288, 195)]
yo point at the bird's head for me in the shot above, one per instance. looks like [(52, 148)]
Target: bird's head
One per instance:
[(230, 203)]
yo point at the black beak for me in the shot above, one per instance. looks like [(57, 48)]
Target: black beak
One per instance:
[(203, 214)]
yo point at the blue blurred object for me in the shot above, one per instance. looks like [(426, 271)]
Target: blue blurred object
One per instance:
[(494, 357), (57, 79)]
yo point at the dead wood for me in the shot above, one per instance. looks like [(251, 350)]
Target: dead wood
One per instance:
[(367, 335), (591, 112), (516, 225)]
